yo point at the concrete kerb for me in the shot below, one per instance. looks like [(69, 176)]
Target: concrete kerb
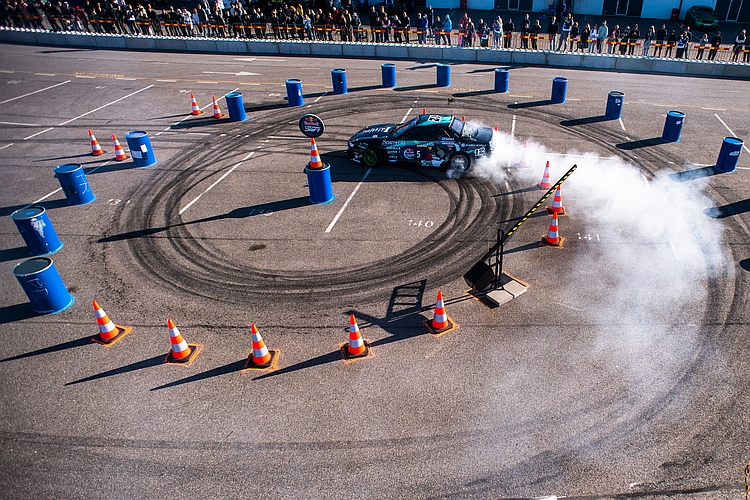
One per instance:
[(411, 51)]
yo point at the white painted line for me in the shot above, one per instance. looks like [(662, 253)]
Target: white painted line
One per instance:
[(621, 124), (85, 76), (198, 133), (7, 146), (35, 92), (45, 74), (38, 133), (731, 131), (714, 109), (167, 81), (43, 198), (6, 71), (124, 78), (406, 115), (21, 124), (513, 126), (673, 249), (246, 83), (335, 219), (215, 183), (321, 97), (580, 156), (207, 82), (104, 106)]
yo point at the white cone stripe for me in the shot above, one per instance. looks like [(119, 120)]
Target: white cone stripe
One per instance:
[(353, 328), (441, 318), (259, 353), (439, 304), (99, 313), (182, 346), (257, 337), (107, 328), (356, 342), (174, 332)]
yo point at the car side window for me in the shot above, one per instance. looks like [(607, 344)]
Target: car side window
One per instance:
[(425, 134)]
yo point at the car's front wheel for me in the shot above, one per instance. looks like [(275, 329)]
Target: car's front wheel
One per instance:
[(460, 162), (372, 157)]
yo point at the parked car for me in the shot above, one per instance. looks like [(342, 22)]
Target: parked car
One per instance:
[(427, 140), (702, 17)]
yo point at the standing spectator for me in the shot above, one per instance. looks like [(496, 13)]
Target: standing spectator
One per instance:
[(422, 26), (612, 42), (357, 27), (593, 38), (602, 35), (661, 35), (702, 46), (447, 28), (671, 42), (715, 43), (553, 28), (374, 28), (583, 42), (438, 30), (497, 33), (647, 41), (432, 24), (508, 29), (463, 23), (405, 26), (397, 28), (624, 37), (535, 30), (739, 44), (483, 32), (470, 32), (635, 34), (565, 35), (681, 46), (525, 30), (307, 26), (746, 53), (575, 37)]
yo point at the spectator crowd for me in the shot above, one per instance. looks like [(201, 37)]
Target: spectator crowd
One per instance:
[(339, 21)]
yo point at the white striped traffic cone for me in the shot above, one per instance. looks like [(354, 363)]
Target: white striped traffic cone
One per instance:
[(356, 347), (545, 184), (315, 161), (194, 104), (217, 111), (440, 322), (557, 207), (109, 333), (261, 357), (96, 149), (119, 152), (524, 163), (553, 237), (181, 352)]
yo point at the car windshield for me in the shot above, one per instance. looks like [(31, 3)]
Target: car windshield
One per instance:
[(403, 127), (458, 126), (704, 10)]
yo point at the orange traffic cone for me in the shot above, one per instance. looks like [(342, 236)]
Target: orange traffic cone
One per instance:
[(217, 111), (553, 238), (424, 111), (261, 358), (315, 161), (96, 149), (181, 352), (557, 207), (119, 152), (356, 347), (463, 118), (545, 184), (196, 110), (440, 322), (524, 163), (109, 333)]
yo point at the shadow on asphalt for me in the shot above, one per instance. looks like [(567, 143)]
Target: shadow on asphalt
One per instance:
[(643, 143), (584, 121), (84, 341), (736, 208), (221, 370), (530, 104), (696, 173), (48, 205), (17, 253), (139, 365)]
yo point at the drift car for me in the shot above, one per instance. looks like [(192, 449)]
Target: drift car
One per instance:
[(427, 140)]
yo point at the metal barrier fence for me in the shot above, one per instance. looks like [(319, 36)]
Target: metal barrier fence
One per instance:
[(508, 41)]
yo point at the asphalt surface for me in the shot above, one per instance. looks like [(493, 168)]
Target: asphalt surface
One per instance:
[(620, 373)]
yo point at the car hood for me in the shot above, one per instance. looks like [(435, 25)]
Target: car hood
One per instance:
[(381, 131), (484, 134)]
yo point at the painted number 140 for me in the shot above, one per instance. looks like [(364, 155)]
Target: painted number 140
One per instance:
[(421, 223)]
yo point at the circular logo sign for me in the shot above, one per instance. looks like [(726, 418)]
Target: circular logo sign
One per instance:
[(311, 126)]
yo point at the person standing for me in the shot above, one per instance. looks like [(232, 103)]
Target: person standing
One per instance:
[(647, 41), (612, 42), (525, 30), (553, 28), (575, 33), (447, 28), (603, 33), (661, 35), (497, 33), (535, 30), (508, 29), (702, 46), (593, 39), (565, 34), (635, 34), (433, 24), (739, 44), (422, 24), (715, 43), (681, 42), (624, 37)]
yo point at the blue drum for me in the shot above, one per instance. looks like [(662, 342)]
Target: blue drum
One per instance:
[(43, 286), (36, 230), (294, 92), (319, 183), (443, 75), (559, 90), (501, 80), (614, 105), (388, 72), (338, 76), (673, 126), (74, 184), (236, 107), (729, 154), (140, 148)]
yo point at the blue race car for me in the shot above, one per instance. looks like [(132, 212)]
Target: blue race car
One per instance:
[(427, 140)]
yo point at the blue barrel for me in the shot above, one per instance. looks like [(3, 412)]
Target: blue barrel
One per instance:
[(140, 148), (559, 90), (388, 72), (43, 286), (673, 126), (729, 154), (339, 81), (319, 183), (501, 80), (74, 184), (443, 75), (36, 230), (294, 92), (236, 107), (614, 105)]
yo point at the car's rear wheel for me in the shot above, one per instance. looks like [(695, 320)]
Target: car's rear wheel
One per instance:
[(460, 162), (372, 157)]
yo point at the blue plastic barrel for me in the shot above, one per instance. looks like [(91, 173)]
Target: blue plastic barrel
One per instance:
[(443, 75), (36, 230), (339, 81), (294, 92), (729, 154), (74, 184), (319, 183), (388, 72), (140, 148), (43, 286), (236, 107), (501, 80), (673, 126), (614, 105), (559, 90)]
